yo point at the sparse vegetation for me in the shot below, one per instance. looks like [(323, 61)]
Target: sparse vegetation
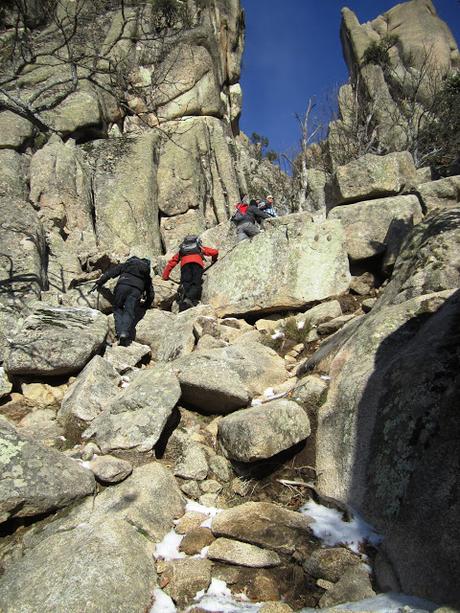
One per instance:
[(293, 332), (440, 136), (99, 44), (378, 51), (261, 150)]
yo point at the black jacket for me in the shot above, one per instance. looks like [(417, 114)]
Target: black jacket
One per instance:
[(253, 214), (135, 272)]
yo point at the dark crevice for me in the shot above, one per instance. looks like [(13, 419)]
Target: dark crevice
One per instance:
[(260, 469)]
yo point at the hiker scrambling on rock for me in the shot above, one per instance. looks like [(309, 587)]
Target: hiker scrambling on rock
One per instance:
[(267, 206), (191, 257), (245, 218), (134, 281)]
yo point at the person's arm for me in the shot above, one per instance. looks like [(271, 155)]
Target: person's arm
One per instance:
[(212, 253), (174, 261), (115, 271), (261, 215)]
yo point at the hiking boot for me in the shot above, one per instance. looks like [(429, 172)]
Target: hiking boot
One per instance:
[(124, 339), (185, 304)]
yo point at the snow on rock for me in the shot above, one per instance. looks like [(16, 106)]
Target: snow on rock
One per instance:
[(163, 603), (211, 512), (218, 597), (329, 526), (168, 548)]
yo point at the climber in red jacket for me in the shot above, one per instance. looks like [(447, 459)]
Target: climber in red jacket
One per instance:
[(191, 257)]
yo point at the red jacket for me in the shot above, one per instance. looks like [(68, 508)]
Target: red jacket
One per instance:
[(197, 258)]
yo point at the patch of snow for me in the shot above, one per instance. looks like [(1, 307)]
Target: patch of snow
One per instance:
[(163, 603), (219, 598), (204, 552), (300, 324), (269, 392), (85, 464), (255, 402), (125, 381), (329, 526), (211, 512), (168, 548), (62, 438), (192, 505), (217, 587), (278, 334), (325, 377)]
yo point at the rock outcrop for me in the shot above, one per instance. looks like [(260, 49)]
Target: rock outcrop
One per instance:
[(293, 263), (417, 50), (377, 226), (262, 432), (135, 418), (392, 385), (223, 380), (321, 367), (35, 480), (56, 341)]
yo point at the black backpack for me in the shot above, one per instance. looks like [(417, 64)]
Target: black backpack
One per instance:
[(241, 213), (190, 244)]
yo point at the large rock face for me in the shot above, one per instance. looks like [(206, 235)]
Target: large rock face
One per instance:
[(60, 185), (389, 419), (425, 52), (418, 28), (35, 480), (294, 262), (373, 176), (119, 185), (372, 225), (125, 195), (23, 263), (211, 190), (166, 70), (55, 341)]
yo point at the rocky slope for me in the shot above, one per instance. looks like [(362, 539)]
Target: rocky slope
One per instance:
[(208, 465)]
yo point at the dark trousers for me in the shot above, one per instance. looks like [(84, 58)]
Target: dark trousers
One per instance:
[(125, 302), (191, 280)]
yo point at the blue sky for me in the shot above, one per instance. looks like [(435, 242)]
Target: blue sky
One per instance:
[(293, 52)]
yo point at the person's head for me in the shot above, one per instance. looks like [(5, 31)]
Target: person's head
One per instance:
[(253, 202), (270, 199)]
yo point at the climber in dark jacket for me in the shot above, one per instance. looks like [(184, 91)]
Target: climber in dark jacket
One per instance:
[(247, 227), (134, 282)]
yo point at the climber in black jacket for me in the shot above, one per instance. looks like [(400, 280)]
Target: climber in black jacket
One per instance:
[(134, 281)]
